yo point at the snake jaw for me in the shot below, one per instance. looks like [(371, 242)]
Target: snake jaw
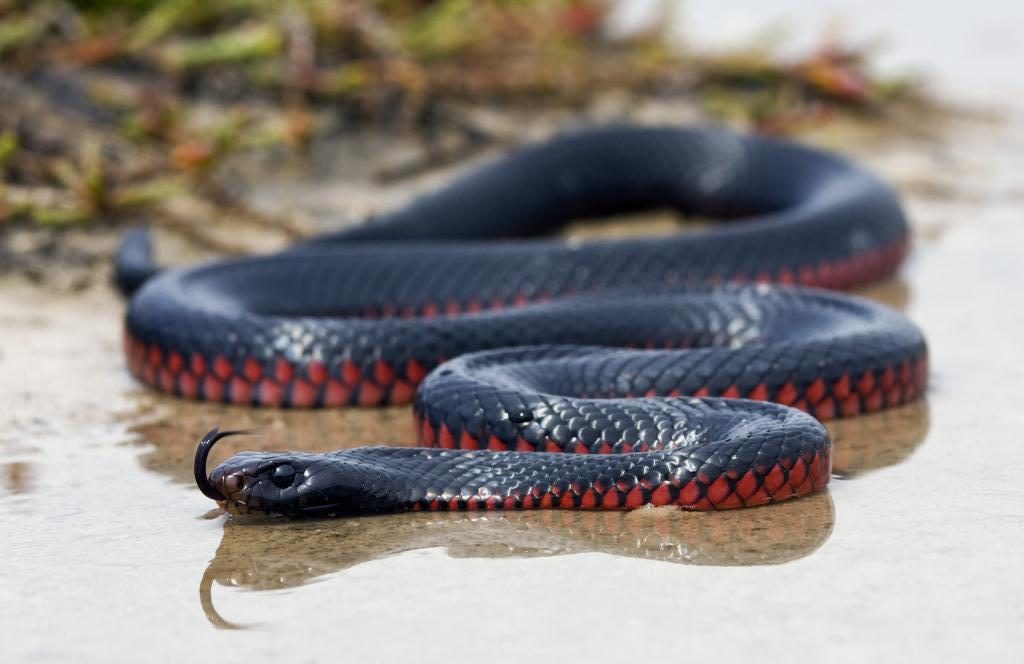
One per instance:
[(199, 467)]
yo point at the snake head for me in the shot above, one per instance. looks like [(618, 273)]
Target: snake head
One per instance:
[(289, 483)]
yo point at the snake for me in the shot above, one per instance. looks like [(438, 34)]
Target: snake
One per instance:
[(691, 370)]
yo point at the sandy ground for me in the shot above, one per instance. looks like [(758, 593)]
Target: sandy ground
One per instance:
[(913, 551)]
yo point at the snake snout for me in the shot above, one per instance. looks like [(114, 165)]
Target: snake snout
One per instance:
[(248, 482), (219, 484), (227, 482)]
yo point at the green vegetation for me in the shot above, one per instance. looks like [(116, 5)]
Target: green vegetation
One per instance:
[(113, 106)]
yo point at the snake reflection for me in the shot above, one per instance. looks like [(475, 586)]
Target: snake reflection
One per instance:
[(269, 554)]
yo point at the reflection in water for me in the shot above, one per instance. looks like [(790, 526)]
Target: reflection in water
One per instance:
[(260, 553), (173, 426), (272, 553), (268, 553), (878, 440)]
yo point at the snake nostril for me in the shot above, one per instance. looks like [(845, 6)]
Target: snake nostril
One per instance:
[(233, 483)]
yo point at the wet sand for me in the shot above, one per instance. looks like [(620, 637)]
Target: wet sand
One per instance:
[(913, 551)]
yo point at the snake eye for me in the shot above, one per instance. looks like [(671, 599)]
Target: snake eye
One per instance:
[(282, 476)]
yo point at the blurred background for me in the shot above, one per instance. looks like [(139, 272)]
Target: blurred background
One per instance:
[(165, 113), (239, 126)]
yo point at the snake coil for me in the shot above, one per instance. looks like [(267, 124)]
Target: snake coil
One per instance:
[(651, 361)]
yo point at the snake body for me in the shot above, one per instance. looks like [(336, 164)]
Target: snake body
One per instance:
[(651, 361)]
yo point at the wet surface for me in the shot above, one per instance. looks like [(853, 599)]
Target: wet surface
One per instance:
[(913, 551)]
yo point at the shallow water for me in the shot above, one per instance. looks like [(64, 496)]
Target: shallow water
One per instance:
[(913, 551)]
